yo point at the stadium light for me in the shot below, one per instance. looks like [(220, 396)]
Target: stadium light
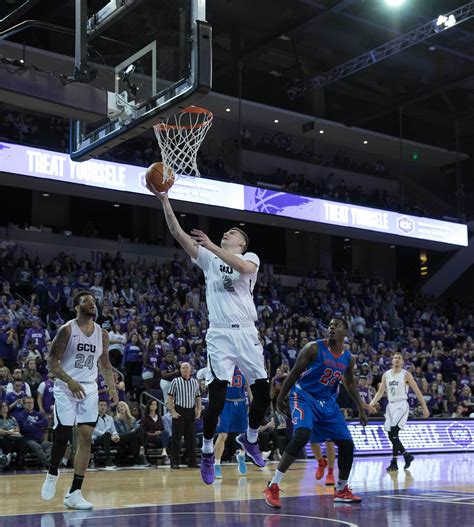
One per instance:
[(394, 3)]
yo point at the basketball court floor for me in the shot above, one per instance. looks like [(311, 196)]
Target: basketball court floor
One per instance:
[(438, 490)]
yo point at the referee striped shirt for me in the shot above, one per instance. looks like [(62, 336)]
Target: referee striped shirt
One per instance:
[(184, 392)]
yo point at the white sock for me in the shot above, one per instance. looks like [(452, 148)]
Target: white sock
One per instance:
[(341, 483), (252, 434), (217, 462), (278, 476), (207, 446), (240, 452)]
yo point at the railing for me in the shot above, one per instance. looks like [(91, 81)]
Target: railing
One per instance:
[(145, 397)]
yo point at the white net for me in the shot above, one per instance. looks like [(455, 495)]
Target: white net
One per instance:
[(179, 138)]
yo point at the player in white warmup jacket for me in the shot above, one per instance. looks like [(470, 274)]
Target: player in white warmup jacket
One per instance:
[(396, 382), (232, 338), (78, 347)]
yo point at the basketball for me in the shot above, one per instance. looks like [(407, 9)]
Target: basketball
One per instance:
[(154, 175)]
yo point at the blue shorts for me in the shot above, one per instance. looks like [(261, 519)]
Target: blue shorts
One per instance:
[(233, 418), (323, 417)]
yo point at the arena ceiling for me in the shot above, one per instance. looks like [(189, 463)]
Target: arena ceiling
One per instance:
[(279, 42)]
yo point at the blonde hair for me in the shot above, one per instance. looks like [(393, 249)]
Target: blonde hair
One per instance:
[(127, 417)]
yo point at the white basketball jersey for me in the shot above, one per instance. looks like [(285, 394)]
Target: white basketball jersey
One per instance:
[(82, 353), (229, 294), (397, 388)]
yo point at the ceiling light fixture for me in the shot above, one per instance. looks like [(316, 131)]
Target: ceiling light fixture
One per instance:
[(241, 224), (116, 205), (297, 232), (276, 121), (394, 3), (321, 131), (227, 109), (46, 194), (365, 141)]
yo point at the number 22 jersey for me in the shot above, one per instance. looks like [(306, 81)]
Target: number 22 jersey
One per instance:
[(322, 376)]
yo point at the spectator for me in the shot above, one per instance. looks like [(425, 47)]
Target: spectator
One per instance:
[(45, 397), (169, 371), (15, 399), (132, 436), (460, 412), (8, 345), (151, 361), (117, 341), (32, 377), (32, 427), (12, 443), (5, 379), (17, 375), (105, 433), (184, 403), (132, 360), (153, 426)]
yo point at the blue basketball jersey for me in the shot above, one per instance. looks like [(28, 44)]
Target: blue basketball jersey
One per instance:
[(322, 376), (236, 389)]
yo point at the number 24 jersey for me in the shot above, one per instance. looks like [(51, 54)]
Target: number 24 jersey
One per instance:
[(82, 353)]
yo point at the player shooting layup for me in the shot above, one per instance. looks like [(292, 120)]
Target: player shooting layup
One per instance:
[(232, 338), (77, 348)]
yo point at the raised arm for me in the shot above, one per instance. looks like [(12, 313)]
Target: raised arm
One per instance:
[(186, 242), (106, 368), (305, 356), (380, 392), (412, 384), (352, 390), (236, 262), (55, 355)]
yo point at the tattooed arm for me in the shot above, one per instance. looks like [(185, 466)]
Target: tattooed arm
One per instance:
[(58, 348), (106, 368)]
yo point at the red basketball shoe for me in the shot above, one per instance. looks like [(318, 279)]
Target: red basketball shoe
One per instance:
[(345, 495), (322, 464), (272, 496)]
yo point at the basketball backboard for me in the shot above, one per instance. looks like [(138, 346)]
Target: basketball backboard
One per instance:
[(153, 57)]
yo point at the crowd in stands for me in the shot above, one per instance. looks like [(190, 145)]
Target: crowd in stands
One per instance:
[(329, 187), (24, 128), (156, 319)]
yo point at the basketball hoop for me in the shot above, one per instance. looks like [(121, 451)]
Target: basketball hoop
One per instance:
[(179, 138)]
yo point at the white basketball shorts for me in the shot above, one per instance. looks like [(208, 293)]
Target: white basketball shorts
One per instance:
[(396, 415), (69, 410), (232, 346)]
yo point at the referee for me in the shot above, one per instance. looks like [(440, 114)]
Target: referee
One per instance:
[(184, 403)]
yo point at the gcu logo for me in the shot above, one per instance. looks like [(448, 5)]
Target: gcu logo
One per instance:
[(86, 347), (226, 269), (405, 225)]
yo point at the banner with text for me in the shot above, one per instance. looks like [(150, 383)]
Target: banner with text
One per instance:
[(35, 162), (417, 436)]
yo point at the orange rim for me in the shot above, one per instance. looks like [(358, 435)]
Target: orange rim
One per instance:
[(189, 109)]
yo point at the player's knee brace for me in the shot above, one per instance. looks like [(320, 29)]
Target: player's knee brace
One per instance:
[(260, 402), (393, 433), (300, 438), (217, 393), (62, 435), (261, 394)]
